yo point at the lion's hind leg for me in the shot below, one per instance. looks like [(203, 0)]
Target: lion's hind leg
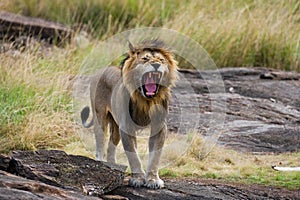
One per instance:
[(113, 141), (100, 131)]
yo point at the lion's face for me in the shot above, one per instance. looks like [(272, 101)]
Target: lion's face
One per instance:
[(149, 71)]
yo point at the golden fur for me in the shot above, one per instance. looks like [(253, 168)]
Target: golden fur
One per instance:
[(165, 92), (128, 98)]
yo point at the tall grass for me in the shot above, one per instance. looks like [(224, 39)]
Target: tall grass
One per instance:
[(35, 86), (102, 17), (35, 106), (235, 33), (245, 33)]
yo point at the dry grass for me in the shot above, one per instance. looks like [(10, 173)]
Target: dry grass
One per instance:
[(176, 145), (235, 33), (239, 33), (35, 101), (183, 157), (230, 165), (35, 86)]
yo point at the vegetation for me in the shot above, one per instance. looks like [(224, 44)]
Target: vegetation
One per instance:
[(235, 33), (229, 165), (35, 85), (35, 100)]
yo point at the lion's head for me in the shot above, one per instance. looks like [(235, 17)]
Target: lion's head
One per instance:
[(149, 70)]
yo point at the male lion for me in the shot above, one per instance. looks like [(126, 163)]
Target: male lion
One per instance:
[(132, 97)]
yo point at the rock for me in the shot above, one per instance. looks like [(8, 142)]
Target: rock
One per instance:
[(58, 169), (47, 174), (4, 162), (13, 26), (193, 189), (259, 108), (18, 188)]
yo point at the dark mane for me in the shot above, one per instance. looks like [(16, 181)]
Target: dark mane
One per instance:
[(147, 45), (152, 45)]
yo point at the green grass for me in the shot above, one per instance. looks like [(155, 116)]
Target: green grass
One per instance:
[(16, 102), (253, 33), (165, 172), (36, 87), (231, 166), (36, 105), (288, 180), (29, 118)]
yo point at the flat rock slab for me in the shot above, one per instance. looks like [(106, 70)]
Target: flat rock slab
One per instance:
[(58, 169), (251, 109), (13, 26), (193, 189), (47, 181), (248, 109), (19, 188)]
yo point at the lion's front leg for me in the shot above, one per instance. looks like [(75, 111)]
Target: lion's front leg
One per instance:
[(156, 142), (130, 146)]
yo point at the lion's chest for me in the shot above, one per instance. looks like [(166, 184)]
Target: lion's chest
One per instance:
[(139, 115)]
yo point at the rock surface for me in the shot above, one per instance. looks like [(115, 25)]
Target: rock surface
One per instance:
[(58, 169), (19, 188), (192, 189), (13, 26), (257, 110), (247, 109)]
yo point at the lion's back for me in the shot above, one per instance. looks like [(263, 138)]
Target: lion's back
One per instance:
[(108, 76), (104, 81)]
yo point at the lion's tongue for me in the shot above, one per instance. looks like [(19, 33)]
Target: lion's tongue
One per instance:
[(150, 86)]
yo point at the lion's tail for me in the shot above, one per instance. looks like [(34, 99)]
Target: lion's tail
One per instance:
[(84, 116)]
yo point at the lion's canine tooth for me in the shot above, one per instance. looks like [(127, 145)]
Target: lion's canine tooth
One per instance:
[(150, 74)]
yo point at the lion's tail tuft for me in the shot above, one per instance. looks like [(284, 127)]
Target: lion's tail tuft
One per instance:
[(84, 116)]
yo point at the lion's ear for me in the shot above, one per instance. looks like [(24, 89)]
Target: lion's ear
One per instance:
[(131, 48)]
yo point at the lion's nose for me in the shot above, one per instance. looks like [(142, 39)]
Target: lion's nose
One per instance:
[(155, 65)]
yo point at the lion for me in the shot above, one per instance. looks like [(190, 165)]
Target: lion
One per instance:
[(129, 98)]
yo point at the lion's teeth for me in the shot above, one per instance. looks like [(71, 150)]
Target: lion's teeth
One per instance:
[(150, 93), (150, 74)]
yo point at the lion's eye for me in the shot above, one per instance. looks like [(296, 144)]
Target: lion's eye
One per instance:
[(161, 59), (145, 58)]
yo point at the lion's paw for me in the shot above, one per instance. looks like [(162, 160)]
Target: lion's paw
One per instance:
[(137, 182), (154, 183)]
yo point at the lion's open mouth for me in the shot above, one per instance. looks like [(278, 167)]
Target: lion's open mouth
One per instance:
[(150, 82)]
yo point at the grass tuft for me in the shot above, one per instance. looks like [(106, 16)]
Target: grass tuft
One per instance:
[(229, 165), (36, 106)]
